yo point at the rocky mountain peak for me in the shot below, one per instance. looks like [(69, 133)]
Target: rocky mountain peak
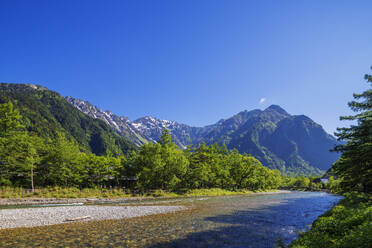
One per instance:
[(277, 109), (278, 139), (120, 124)]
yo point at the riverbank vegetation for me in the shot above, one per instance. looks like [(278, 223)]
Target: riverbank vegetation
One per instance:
[(348, 224), (29, 161), (73, 192), (58, 168), (60, 192)]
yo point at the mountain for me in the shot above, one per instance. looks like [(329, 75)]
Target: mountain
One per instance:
[(294, 144), (120, 124), (45, 113), (145, 129), (291, 143), (182, 134)]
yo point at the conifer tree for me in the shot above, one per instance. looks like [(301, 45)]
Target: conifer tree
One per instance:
[(166, 137), (19, 150), (355, 165), (9, 119)]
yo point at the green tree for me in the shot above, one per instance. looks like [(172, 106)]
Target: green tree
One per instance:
[(354, 168), (161, 165), (63, 165), (27, 151), (200, 174), (242, 169), (99, 170), (20, 152), (9, 120), (9, 124), (302, 182), (333, 185), (165, 138)]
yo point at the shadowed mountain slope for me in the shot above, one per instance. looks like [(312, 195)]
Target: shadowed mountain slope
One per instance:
[(291, 143), (45, 113)]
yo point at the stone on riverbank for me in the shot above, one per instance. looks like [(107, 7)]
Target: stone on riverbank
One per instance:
[(29, 217)]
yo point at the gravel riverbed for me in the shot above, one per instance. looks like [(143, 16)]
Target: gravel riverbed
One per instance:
[(37, 201), (29, 217)]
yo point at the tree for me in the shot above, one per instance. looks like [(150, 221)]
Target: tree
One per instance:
[(199, 174), (63, 164), (161, 165), (20, 151), (165, 138), (302, 182), (98, 170), (354, 168), (333, 185), (9, 120), (9, 123), (26, 151)]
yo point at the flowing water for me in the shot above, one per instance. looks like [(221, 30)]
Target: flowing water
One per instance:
[(228, 221)]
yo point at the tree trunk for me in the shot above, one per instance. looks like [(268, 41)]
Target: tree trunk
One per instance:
[(32, 179)]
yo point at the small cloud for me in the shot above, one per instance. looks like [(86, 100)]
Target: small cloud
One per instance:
[(262, 100)]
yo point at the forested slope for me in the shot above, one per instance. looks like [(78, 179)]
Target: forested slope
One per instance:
[(47, 113)]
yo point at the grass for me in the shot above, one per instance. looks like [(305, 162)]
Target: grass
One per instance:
[(215, 192), (348, 224), (59, 192)]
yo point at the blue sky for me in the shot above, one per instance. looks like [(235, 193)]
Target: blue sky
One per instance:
[(192, 61)]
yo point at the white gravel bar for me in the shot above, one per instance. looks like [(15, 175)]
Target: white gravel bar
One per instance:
[(29, 217)]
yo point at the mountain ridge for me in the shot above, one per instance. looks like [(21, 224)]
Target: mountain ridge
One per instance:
[(293, 144), (46, 113), (263, 133)]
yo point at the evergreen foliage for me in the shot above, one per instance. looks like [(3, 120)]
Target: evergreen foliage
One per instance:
[(349, 223), (46, 114), (164, 166), (355, 165), (346, 225), (161, 165), (19, 150), (29, 161), (295, 145)]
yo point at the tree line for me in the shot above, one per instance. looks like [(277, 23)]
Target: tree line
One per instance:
[(28, 160)]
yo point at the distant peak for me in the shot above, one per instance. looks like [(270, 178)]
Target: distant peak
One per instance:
[(70, 98), (146, 118), (302, 118), (278, 109)]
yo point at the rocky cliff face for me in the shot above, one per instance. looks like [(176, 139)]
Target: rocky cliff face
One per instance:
[(120, 124), (145, 129), (182, 134)]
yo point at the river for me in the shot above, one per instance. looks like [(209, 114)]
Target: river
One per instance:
[(227, 221)]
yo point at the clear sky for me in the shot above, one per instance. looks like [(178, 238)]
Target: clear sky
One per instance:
[(192, 61)]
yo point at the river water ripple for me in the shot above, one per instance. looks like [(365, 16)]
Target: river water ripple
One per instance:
[(229, 221)]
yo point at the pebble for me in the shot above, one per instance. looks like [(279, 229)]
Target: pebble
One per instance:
[(30, 217)]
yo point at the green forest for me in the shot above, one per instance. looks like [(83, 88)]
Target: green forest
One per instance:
[(46, 143), (48, 115), (30, 161)]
